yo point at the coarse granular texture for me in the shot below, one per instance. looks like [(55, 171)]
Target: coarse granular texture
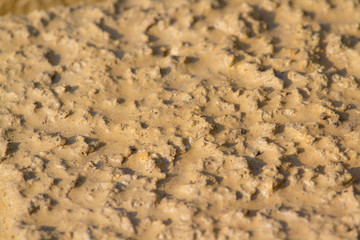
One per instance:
[(186, 119), (26, 6)]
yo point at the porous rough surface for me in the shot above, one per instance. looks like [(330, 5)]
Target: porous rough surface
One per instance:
[(26, 6), (181, 120)]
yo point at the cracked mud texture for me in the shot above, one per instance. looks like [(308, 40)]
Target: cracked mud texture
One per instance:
[(181, 120)]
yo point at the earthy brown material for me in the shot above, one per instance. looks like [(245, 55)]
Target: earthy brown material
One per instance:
[(181, 120)]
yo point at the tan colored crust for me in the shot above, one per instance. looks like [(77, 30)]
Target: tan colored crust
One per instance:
[(181, 120)]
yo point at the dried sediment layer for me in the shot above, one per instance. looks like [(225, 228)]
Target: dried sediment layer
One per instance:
[(26, 6), (181, 119)]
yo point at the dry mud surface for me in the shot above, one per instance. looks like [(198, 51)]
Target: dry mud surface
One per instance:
[(26, 6), (181, 120)]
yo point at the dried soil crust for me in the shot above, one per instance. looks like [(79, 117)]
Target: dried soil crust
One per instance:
[(26, 6), (181, 120)]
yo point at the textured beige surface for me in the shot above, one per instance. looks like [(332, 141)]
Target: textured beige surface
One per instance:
[(26, 6), (181, 120)]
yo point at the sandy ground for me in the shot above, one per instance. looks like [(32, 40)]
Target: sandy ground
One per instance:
[(181, 120), (26, 6)]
